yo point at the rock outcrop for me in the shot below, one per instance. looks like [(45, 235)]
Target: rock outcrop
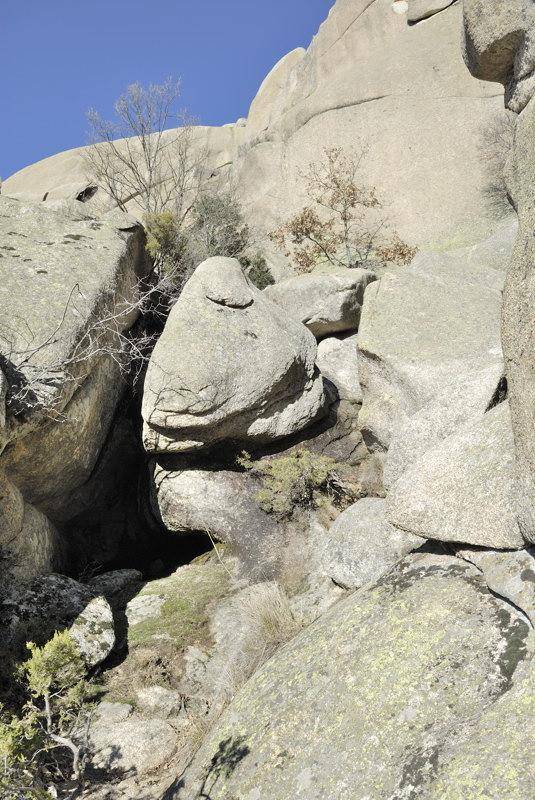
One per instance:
[(465, 488), (62, 362), (402, 89), (380, 692), (223, 503), (361, 545), (229, 365), (426, 331), (338, 362), (326, 303), (399, 88), (499, 46)]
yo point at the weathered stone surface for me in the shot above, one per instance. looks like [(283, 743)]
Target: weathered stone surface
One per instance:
[(111, 583), (463, 401), (36, 549), (491, 764), (261, 107), (337, 360), (79, 278), (93, 631), (28, 540), (55, 602), (221, 502), (157, 701), (465, 488), (499, 45), (122, 740), (65, 175), (229, 365), (377, 693), (325, 303), (509, 574), (425, 330), (403, 90), (361, 545), (518, 322), (421, 9)]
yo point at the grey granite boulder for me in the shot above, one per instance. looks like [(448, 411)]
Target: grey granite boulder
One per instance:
[(464, 401), (361, 545), (425, 330), (55, 602), (325, 302), (337, 360), (126, 741), (223, 503), (229, 365), (465, 488), (499, 45), (372, 699), (93, 631), (69, 291), (510, 574)]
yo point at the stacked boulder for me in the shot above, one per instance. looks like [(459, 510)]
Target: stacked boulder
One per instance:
[(61, 364)]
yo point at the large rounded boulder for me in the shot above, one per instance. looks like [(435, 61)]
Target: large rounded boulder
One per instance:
[(229, 365)]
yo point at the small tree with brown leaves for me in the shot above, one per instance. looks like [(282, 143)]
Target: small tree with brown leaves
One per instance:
[(338, 228)]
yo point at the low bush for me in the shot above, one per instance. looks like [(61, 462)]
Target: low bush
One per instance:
[(47, 738), (295, 480)]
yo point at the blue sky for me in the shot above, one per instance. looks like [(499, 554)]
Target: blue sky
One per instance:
[(60, 57)]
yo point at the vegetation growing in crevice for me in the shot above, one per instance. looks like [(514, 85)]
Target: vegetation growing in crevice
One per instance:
[(336, 227), (297, 480), (45, 742)]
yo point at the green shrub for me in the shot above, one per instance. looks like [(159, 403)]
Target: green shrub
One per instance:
[(295, 480), (258, 271), (53, 720)]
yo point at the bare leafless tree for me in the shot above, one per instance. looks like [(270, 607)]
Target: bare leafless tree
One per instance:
[(149, 153)]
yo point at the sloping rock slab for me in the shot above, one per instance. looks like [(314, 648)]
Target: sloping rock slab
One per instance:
[(370, 700), (337, 360), (325, 303), (229, 365), (425, 330), (361, 545), (464, 401), (497, 760), (509, 574), (464, 489)]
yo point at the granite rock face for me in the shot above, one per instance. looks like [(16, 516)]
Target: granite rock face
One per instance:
[(499, 45), (70, 292), (221, 502), (465, 488), (325, 303), (425, 332), (380, 692), (508, 574), (361, 545), (401, 88), (338, 361), (55, 602), (229, 365)]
